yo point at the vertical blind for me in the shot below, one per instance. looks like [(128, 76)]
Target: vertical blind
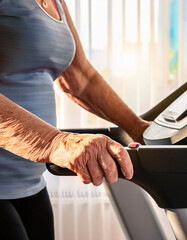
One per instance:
[(138, 48)]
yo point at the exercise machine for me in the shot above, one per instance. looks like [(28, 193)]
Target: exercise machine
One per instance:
[(160, 168)]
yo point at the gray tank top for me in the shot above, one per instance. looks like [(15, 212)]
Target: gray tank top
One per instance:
[(34, 50)]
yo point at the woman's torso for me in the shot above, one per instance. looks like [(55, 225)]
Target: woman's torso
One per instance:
[(34, 50)]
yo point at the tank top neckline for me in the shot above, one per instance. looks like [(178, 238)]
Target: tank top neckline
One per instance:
[(59, 12)]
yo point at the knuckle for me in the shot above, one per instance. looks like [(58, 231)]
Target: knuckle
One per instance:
[(111, 173), (118, 150), (101, 136), (87, 181), (89, 150), (110, 169), (100, 139), (84, 177), (97, 178), (80, 163), (97, 183)]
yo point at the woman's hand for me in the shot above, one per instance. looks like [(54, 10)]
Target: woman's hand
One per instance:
[(91, 157), (137, 134)]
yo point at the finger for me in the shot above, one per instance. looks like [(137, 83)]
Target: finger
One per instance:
[(122, 157), (83, 174), (85, 180), (108, 166), (95, 171)]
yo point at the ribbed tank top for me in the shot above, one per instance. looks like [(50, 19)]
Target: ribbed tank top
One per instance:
[(34, 50)]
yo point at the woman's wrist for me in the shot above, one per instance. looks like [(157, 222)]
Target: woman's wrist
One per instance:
[(137, 130), (54, 146)]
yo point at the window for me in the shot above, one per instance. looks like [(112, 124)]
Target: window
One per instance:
[(134, 45)]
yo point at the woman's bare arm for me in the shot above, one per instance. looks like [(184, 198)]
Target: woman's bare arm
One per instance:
[(84, 85), (24, 134), (90, 156)]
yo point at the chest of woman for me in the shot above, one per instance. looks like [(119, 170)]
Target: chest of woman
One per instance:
[(30, 39)]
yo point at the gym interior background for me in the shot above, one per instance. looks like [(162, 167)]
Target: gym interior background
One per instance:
[(138, 46)]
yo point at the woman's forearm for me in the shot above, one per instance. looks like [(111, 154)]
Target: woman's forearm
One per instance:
[(99, 98), (24, 134), (103, 100), (90, 156)]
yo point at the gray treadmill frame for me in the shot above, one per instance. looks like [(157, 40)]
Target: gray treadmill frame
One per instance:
[(140, 222), (137, 216)]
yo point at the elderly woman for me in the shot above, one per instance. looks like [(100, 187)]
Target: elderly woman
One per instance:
[(39, 45)]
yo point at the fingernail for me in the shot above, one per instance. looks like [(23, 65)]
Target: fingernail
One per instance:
[(129, 174)]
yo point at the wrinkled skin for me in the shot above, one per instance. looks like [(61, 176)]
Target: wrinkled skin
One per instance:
[(91, 157)]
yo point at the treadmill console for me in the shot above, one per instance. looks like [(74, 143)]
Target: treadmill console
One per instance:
[(170, 126), (175, 116)]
